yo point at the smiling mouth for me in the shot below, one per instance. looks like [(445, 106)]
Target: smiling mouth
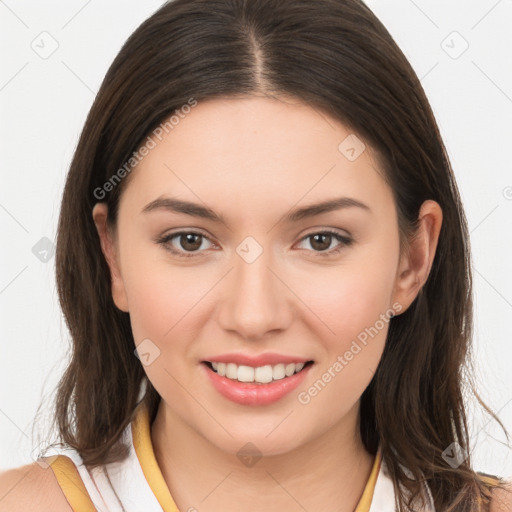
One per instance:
[(259, 375)]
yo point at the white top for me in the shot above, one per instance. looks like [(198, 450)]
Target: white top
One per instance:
[(124, 486), (128, 489)]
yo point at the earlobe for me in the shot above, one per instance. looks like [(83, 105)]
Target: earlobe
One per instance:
[(416, 262), (100, 215)]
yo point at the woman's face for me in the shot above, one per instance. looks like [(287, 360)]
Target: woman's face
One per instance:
[(266, 279)]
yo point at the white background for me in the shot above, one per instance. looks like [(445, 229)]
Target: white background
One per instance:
[(44, 103)]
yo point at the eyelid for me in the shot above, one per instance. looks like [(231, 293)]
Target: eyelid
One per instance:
[(332, 231), (166, 238), (345, 240)]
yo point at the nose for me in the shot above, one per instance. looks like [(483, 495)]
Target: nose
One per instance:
[(255, 299)]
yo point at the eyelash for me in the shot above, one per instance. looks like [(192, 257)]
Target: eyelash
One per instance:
[(345, 242)]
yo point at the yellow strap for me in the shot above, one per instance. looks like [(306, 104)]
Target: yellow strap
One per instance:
[(491, 481), (144, 450), (71, 484), (77, 496), (367, 496)]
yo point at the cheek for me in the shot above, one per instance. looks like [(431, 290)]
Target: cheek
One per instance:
[(357, 311), (150, 303), (352, 297), (161, 302), (347, 297), (161, 296)]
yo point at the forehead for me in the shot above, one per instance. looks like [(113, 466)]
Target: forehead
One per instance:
[(254, 152)]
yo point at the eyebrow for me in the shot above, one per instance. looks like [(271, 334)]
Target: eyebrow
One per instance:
[(295, 215)]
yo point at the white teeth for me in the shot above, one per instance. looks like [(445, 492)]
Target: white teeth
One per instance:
[(231, 371), (278, 372), (289, 370), (244, 374), (261, 374), (221, 369)]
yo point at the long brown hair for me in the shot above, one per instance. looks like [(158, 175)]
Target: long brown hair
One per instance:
[(336, 56)]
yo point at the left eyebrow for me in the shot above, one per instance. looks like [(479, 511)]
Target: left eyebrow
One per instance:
[(324, 207), (197, 210)]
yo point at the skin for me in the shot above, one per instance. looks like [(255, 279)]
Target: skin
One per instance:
[(252, 160)]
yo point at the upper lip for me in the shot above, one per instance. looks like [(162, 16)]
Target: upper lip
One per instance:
[(256, 361)]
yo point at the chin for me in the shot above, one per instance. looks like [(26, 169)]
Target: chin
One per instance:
[(257, 442)]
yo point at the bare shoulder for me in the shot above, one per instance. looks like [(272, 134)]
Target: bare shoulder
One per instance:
[(31, 487), (502, 498)]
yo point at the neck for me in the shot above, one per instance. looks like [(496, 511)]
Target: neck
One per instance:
[(328, 473)]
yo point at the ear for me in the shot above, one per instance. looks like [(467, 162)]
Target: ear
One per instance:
[(108, 247), (416, 262)]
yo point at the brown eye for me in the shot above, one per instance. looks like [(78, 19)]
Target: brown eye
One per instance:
[(322, 241), (188, 243)]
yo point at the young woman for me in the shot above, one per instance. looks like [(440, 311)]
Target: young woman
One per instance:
[(264, 265)]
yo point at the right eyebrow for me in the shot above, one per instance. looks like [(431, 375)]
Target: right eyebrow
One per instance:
[(180, 206), (295, 215)]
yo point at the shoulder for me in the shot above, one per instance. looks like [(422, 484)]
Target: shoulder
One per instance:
[(31, 487), (502, 498)]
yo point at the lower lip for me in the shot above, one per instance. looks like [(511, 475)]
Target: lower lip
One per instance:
[(249, 393)]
